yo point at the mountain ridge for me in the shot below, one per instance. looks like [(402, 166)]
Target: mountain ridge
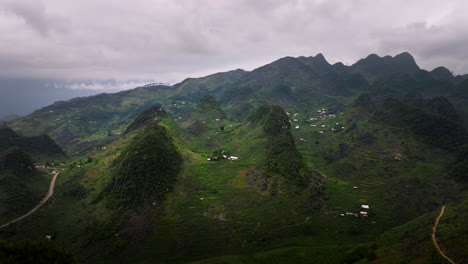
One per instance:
[(297, 160)]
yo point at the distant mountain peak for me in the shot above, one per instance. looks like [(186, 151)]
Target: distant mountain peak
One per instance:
[(441, 73), (372, 56), (405, 55), (320, 58), (379, 66)]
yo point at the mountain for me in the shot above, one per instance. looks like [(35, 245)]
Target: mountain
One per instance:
[(375, 66), (40, 147), (145, 170), (442, 73), (318, 64), (298, 161), (21, 185)]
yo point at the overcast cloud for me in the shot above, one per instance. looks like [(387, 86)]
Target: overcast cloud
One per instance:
[(169, 40)]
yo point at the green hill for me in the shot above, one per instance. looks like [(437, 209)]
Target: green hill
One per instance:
[(41, 148), (412, 243), (145, 170), (21, 185), (274, 165)]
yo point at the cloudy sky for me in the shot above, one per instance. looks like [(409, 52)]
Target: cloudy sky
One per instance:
[(169, 40)]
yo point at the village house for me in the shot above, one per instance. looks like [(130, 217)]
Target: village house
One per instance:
[(233, 158), (398, 156)]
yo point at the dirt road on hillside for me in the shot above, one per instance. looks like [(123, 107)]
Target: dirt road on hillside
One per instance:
[(434, 229), (41, 203)]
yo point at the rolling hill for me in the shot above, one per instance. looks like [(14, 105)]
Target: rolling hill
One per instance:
[(297, 161)]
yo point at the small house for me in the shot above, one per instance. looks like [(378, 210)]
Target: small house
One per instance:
[(365, 207)]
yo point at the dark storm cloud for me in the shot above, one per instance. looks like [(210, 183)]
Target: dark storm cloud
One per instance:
[(168, 40)]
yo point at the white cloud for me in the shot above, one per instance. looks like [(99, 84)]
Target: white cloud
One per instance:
[(101, 85)]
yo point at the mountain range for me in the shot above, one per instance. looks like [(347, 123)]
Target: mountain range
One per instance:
[(297, 161)]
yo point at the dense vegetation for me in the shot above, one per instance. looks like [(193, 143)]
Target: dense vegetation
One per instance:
[(145, 170), (215, 173), (146, 117), (40, 147), (282, 157), (432, 129), (21, 185)]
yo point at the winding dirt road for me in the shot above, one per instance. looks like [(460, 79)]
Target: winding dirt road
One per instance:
[(41, 203), (434, 229)]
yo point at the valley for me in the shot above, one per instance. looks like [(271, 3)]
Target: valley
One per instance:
[(298, 161)]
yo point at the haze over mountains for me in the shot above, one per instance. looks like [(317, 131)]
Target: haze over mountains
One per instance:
[(297, 161), (23, 96)]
